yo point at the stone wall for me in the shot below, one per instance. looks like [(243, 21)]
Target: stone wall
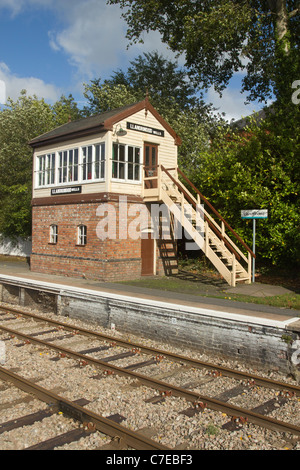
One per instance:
[(258, 344)]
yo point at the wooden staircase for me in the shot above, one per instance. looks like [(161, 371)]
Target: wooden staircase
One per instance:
[(202, 224)]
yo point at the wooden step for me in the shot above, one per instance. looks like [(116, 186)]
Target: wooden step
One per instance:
[(218, 252), (242, 279)]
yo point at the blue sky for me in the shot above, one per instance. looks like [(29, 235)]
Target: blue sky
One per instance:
[(51, 47)]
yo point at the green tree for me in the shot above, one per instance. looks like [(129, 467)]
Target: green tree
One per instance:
[(150, 73), (20, 121), (259, 168), (221, 37), (65, 110), (162, 78), (171, 94), (106, 96)]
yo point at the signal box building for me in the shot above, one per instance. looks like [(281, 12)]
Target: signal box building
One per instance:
[(88, 187), (98, 186)]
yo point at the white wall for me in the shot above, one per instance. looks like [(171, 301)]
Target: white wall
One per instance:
[(18, 247)]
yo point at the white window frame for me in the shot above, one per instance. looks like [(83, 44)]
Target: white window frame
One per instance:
[(45, 175), (67, 166), (126, 163), (82, 235), (53, 234), (94, 158)]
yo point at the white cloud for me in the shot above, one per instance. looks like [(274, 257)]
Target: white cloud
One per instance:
[(34, 86), (93, 39), (2, 92), (152, 42), (232, 103), (16, 6), (91, 35)]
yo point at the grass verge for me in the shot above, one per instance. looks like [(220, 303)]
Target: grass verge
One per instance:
[(291, 301)]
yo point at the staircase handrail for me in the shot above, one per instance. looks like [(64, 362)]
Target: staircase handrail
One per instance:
[(212, 224), (181, 187)]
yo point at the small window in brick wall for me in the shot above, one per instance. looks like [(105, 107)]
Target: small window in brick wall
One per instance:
[(81, 235), (53, 234)]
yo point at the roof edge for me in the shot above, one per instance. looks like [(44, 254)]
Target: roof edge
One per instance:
[(67, 136), (106, 125), (144, 104)]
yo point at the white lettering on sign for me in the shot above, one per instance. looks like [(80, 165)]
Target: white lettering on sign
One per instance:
[(147, 130)]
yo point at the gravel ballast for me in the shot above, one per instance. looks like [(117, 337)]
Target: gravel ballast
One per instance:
[(162, 419)]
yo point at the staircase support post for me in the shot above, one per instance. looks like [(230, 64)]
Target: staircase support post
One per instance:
[(233, 272), (159, 182), (206, 239), (249, 268)]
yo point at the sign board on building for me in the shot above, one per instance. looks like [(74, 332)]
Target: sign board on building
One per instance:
[(254, 214), (147, 130), (68, 190)]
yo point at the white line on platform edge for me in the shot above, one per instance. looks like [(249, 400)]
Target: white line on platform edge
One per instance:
[(66, 290)]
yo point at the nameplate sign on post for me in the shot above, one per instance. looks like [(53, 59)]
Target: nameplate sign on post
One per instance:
[(254, 214)]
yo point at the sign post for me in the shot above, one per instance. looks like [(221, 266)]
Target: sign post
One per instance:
[(254, 214)]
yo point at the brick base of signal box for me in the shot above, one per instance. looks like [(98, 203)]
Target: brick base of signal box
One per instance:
[(104, 260)]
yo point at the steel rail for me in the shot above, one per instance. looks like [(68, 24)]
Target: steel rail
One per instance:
[(196, 363), (168, 389), (131, 438)]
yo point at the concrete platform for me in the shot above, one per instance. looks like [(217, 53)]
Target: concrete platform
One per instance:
[(259, 290), (257, 334), (19, 272)]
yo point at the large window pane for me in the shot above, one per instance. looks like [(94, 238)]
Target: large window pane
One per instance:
[(133, 163), (99, 161), (87, 153), (118, 167), (126, 162), (67, 164), (75, 172), (46, 169), (130, 171), (53, 169), (70, 166)]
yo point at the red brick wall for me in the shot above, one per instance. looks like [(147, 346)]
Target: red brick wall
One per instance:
[(105, 260), (98, 259)]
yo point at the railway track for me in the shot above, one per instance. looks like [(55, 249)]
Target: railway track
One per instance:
[(91, 422), (184, 382)]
